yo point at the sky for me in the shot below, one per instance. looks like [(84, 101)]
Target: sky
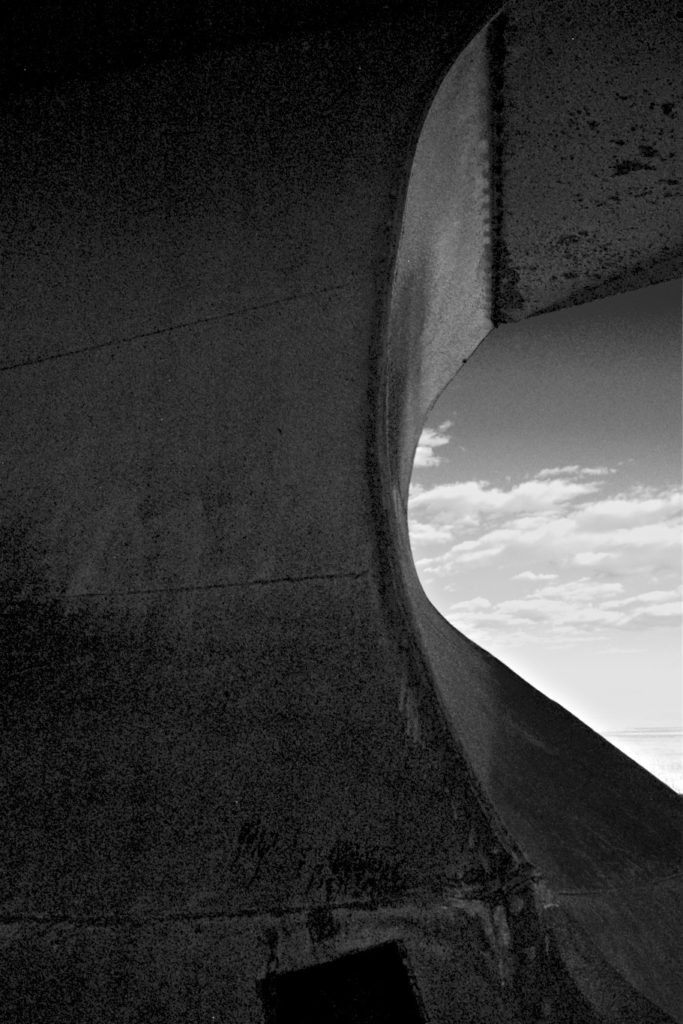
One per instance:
[(545, 505)]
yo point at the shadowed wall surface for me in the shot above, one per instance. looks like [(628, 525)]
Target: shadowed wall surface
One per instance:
[(230, 746)]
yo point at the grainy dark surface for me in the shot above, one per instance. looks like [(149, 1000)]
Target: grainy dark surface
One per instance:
[(230, 746)]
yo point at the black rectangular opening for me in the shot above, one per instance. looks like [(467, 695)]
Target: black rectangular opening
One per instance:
[(371, 987)]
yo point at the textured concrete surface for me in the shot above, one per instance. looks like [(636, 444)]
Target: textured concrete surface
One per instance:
[(442, 301), (589, 172), (546, 175), (236, 741), (213, 967), (604, 834)]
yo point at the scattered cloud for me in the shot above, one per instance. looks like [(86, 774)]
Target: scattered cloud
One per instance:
[(556, 521), (578, 471), (429, 440), (474, 503), (649, 597), (602, 562), (572, 611), (429, 533), (638, 507), (590, 557), (476, 604)]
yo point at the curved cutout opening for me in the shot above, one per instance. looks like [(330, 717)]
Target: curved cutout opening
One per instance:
[(535, 763), (545, 507)]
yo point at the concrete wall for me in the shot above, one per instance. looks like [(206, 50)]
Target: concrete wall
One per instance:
[(209, 713), (223, 734), (589, 177)]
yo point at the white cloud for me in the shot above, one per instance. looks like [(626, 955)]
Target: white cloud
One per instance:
[(604, 563), (474, 605), (551, 521), (429, 440), (574, 471), (590, 557), (560, 538), (583, 589), (572, 611), (430, 533), (474, 501), (558, 471), (529, 575), (671, 610), (638, 507), (649, 597), (573, 608)]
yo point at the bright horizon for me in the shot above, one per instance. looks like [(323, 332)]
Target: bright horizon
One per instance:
[(545, 506)]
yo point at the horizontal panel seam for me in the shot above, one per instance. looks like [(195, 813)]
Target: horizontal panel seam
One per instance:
[(229, 314), (353, 574)]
